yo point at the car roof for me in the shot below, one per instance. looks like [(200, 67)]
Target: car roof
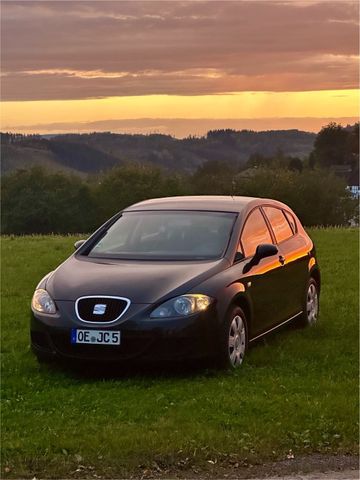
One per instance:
[(219, 203)]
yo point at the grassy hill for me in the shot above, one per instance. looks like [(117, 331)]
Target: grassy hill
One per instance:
[(16, 157), (297, 391), (91, 153)]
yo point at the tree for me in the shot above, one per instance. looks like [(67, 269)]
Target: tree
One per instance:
[(257, 160), (214, 178), (353, 145), (331, 146), (36, 201), (295, 164), (317, 196), (132, 183)]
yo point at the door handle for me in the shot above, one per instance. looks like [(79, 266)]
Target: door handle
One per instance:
[(281, 259)]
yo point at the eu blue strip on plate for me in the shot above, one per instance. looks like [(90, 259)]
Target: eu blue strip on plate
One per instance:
[(73, 335)]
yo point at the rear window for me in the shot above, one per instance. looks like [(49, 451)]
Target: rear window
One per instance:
[(279, 223), (291, 221)]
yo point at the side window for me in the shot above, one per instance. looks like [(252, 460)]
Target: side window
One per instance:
[(255, 232), (291, 221), (279, 224)]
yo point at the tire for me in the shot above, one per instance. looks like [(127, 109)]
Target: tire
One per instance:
[(233, 341), (310, 313)]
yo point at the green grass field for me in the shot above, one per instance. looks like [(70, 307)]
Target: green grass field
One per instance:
[(296, 391)]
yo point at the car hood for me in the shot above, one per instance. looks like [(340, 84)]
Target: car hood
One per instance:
[(140, 281)]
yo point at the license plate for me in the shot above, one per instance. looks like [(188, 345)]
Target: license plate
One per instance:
[(95, 337)]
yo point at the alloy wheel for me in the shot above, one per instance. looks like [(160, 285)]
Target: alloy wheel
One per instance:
[(237, 341), (312, 304)]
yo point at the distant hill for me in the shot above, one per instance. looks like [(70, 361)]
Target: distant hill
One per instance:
[(96, 152)]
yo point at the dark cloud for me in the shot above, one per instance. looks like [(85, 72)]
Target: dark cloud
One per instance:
[(58, 50)]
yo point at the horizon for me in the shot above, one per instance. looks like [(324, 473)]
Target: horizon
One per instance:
[(178, 68), (53, 131)]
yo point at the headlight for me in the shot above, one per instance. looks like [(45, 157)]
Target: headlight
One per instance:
[(42, 302), (182, 306)]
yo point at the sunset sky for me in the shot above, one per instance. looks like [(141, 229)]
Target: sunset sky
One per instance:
[(178, 67)]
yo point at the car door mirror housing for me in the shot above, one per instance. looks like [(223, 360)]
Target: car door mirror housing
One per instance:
[(79, 243), (266, 250), (262, 251)]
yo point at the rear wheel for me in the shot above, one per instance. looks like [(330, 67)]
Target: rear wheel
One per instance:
[(311, 305), (233, 339)]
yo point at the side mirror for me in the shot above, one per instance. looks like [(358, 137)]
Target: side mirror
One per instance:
[(262, 251), (78, 244)]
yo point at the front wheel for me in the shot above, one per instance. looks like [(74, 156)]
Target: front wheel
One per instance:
[(233, 339)]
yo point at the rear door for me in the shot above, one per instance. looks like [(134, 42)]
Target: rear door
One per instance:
[(293, 252), (264, 282)]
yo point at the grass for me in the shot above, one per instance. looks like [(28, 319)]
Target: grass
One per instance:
[(298, 391)]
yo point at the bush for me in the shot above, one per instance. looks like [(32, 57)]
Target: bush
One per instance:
[(126, 185), (35, 201), (317, 196)]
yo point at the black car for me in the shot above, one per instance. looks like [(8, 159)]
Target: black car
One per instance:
[(179, 278)]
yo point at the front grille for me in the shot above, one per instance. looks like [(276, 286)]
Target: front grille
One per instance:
[(101, 309)]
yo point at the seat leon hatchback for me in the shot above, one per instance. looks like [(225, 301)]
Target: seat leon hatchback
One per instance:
[(179, 278)]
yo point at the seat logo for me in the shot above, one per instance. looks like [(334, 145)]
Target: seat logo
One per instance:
[(99, 309)]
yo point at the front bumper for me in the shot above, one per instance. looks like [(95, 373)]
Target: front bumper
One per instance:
[(142, 338)]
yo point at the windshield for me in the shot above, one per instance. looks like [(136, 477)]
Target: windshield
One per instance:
[(166, 235)]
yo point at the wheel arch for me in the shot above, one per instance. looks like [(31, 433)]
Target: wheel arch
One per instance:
[(315, 274), (241, 301)]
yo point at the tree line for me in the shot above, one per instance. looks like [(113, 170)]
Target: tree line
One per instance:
[(99, 151), (40, 201)]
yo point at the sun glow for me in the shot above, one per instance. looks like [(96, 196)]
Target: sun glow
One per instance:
[(26, 116)]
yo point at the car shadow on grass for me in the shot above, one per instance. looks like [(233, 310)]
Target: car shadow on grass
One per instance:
[(135, 370)]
